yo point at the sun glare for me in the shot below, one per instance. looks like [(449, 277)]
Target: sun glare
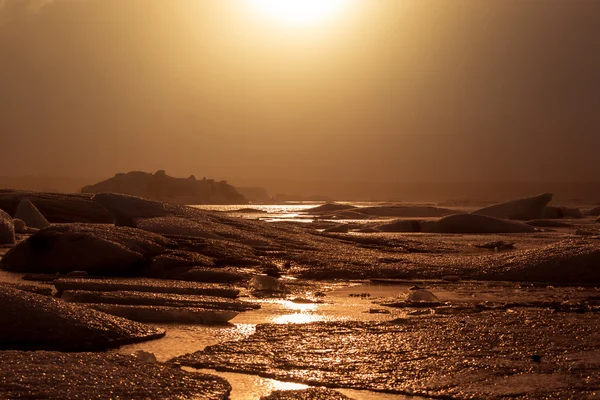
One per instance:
[(299, 12)]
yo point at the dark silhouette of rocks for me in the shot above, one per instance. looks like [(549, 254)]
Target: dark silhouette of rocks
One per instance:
[(54, 375), (57, 207), (160, 186), (522, 209), (32, 217), (35, 322), (7, 229)]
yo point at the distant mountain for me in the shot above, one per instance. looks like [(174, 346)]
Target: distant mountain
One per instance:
[(160, 186)]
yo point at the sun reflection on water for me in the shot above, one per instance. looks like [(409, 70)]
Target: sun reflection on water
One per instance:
[(298, 318)]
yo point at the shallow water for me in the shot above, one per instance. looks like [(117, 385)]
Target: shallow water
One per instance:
[(337, 306)]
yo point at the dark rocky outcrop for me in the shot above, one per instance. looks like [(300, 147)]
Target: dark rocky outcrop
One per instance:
[(29, 214), (7, 229), (160, 186), (54, 375), (94, 248), (35, 322), (522, 209), (57, 207)]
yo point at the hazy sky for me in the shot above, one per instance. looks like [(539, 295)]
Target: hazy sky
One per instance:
[(390, 90)]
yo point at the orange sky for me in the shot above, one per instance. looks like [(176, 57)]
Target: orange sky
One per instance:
[(394, 91)]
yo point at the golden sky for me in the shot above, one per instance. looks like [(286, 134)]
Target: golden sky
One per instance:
[(384, 90)]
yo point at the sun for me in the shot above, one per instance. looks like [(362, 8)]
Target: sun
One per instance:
[(299, 12)]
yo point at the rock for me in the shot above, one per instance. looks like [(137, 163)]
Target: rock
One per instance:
[(176, 226), (162, 187), (266, 283), (146, 285), (214, 275), (474, 223), (497, 245), (552, 212), (558, 212), (587, 232), (27, 212), (145, 356), (571, 212), (406, 211), (41, 290), (7, 229), (127, 210), (451, 278), (549, 223), (568, 261), (162, 314), (57, 207), (306, 394), (422, 295), (104, 250), (54, 375), (522, 209), (34, 322), (402, 225), (77, 274), (134, 298), (343, 228), (594, 211), (20, 226)]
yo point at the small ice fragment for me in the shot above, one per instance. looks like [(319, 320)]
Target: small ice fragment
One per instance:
[(423, 295), (145, 356)]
